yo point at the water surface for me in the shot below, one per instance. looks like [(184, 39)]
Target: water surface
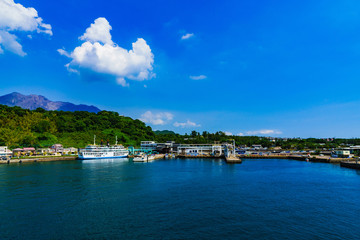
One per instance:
[(179, 199)]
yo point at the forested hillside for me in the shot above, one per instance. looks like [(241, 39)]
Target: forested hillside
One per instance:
[(40, 128)]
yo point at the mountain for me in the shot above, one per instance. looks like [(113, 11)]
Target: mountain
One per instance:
[(164, 132), (37, 101)]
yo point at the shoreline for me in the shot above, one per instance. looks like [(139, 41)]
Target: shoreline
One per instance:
[(350, 164), (322, 159), (38, 159)]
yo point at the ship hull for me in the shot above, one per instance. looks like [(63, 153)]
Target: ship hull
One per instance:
[(105, 157)]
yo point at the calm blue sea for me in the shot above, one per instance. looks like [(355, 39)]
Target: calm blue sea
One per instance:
[(179, 199)]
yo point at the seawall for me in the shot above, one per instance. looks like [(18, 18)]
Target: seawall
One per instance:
[(350, 164), (38, 159)]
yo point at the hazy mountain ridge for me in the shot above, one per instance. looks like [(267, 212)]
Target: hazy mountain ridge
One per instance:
[(37, 101)]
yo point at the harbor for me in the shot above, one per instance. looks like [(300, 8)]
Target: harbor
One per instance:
[(150, 151)]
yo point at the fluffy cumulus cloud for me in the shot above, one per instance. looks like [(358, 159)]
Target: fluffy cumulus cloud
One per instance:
[(186, 124), (228, 133), (261, 132), (99, 31), (14, 17), (100, 54), (160, 118), (200, 77), (187, 36)]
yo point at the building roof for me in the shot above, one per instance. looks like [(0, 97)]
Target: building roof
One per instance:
[(29, 149)]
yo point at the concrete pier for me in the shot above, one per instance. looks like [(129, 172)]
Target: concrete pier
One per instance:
[(323, 159), (197, 156), (38, 159), (350, 164)]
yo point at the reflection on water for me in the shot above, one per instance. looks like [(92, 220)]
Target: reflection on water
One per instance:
[(105, 160)]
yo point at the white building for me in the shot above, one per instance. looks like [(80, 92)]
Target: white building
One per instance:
[(58, 148), (342, 153), (70, 151), (148, 145), (200, 149), (5, 152), (44, 151)]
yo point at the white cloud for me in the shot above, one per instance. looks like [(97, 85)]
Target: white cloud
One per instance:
[(161, 118), (188, 123), (63, 52), (10, 43), (100, 54), (16, 17), (261, 132), (99, 31), (187, 36), (228, 133), (200, 77)]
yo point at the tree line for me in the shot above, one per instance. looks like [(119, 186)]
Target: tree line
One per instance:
[(40, 128)]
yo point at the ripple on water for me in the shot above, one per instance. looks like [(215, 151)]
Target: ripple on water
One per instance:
[(181, 199)]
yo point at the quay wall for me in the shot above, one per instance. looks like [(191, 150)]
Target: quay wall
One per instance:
[(323, 159), (38, 159), (197, 156), (350, 164)]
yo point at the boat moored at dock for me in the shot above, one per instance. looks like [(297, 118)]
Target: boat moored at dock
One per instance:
[(143, 158), (102, 152)]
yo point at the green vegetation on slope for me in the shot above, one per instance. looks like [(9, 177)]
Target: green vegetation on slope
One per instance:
[(39, 128)]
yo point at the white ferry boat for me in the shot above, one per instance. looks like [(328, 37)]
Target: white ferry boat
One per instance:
[(101, 152)]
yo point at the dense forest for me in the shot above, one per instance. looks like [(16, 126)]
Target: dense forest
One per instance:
[(40, 128)]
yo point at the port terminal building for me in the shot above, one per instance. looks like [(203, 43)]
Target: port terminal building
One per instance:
[(215, 149)]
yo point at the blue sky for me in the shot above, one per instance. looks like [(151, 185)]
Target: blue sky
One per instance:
[(279, 68)]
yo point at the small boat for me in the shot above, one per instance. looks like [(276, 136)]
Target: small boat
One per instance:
[(150, 158), (143, 158), (168, 156), (139, 158)]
